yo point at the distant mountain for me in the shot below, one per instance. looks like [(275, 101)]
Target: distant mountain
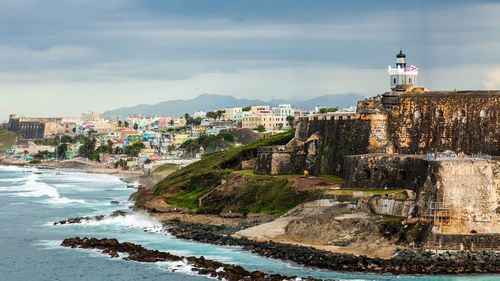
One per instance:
[(209, 102)]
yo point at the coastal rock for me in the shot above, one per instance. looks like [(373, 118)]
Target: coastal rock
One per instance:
[(116, 213), (202, 266), (403, 262)]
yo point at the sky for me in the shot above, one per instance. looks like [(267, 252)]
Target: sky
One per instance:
[(62, 58)]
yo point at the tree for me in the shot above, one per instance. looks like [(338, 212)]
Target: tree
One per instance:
[(210, 143), (226, 136), (136, 126), (66, 139), (125, 124), (290, 120), (120, 123), (246, 108), (196, 121), (328, 109), (219, 113), (118, 150), (134, 149), (88, 148), (212, 115), (61, 151), (260, 128), (171, 122)]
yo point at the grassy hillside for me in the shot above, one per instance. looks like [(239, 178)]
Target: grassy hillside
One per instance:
[(7, 139), (265, 194), (211, 169), (256, 194)]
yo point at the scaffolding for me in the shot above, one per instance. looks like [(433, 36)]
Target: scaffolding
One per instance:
[(440, 214)]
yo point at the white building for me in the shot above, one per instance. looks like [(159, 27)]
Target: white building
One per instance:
[(199, 114), (402, 75), (283, 110), (240, 115), (230, 113)]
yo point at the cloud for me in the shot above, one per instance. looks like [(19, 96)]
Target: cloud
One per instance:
[(125, 52), (492, 79)]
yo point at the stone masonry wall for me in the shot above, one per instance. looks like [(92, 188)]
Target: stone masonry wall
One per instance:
[(280, 160), (466, 122), (385, 171), (470, 190), (464, 242), (339, 138)]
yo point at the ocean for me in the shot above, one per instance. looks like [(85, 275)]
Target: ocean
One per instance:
[(31, 200)]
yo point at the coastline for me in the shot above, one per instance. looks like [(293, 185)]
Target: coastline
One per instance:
[(218, 230), (403, 262), (92, 167)]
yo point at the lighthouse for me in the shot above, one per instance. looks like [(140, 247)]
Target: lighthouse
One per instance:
[(402, 76)]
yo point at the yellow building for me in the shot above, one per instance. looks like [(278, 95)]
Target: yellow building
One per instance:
[(269, 122), (180, 138)]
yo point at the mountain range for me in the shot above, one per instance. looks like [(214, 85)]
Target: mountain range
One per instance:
[(210, 102)]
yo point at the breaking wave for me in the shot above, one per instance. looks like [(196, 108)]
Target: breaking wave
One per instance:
[(134, 220), (32, 187)]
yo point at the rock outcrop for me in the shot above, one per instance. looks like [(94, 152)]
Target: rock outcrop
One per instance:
[(200, 265)]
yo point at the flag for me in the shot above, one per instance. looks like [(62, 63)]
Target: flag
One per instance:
[(411, 68)]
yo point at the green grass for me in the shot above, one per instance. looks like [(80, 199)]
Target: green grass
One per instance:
[(166, 169), (254, 194), (7, 139), (210, 170), (395, 193), (247, 172), (332, 178), (269, 195), (184, 187), (187, 200)]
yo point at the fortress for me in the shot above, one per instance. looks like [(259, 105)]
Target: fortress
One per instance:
[(441, 146)]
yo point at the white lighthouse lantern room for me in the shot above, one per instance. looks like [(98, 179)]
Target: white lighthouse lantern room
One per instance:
[(403, 76)]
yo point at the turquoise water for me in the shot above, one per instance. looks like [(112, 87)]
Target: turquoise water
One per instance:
[(29, 243)]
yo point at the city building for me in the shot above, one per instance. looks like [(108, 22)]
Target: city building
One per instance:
[(199, 114), (32, 128), (91, 116), (230, 113), (269, 121), (283, 110)]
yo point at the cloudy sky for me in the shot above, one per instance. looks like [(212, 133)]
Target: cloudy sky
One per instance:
[(61, 57)]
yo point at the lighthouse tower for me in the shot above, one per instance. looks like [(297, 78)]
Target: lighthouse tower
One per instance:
[(403, 76)]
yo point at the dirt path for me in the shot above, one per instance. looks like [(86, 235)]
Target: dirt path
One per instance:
[(266, 231), (318, 226)]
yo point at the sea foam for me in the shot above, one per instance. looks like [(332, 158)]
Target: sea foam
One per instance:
[(134, 220), (32, 186)]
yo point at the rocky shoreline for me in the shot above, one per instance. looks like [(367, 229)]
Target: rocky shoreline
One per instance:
[(403, 262), (200, 265)]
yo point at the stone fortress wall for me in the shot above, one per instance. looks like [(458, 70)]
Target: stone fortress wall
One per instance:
[(404, 123), (389, 143), (463, 121)]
